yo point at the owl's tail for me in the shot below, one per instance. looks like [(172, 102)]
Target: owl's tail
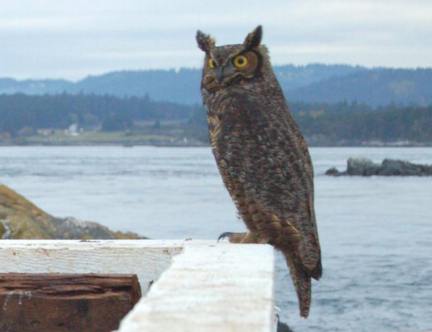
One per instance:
[(302, 283)]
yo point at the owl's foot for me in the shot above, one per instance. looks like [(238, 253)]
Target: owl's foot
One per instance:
[(232, 237), (240, 237)]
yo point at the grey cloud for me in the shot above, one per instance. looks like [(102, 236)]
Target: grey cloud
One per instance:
[(45, 38)]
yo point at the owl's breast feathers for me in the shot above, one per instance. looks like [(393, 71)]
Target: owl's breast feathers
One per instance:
[(266, 167)]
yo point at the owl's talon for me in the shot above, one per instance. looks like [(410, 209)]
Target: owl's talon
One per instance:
[(233, 237), (224, 235)]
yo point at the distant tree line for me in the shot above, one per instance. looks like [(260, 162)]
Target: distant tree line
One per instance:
[(322, 124), (337, 125), (109, 113), (353, 123)]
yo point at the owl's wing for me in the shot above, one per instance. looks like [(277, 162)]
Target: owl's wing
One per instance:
[(279, 173)]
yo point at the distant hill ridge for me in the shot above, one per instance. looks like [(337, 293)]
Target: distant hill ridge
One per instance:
[(309, 83)]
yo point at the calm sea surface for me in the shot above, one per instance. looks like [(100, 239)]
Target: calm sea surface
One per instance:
[(376, 233)]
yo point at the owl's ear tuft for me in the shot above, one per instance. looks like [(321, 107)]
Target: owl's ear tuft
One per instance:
[(205, 42), (253, 39)]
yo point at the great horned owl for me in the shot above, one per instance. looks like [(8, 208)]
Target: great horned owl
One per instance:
[(261, 155)]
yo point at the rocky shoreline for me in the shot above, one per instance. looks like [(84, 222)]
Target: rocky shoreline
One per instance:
[(388, 167), (21, 219)]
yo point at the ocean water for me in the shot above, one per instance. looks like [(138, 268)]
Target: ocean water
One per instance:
[(376, 233)]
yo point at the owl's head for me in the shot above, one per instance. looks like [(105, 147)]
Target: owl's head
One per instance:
[(232, 64)]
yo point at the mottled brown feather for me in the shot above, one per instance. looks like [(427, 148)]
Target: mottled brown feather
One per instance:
[(264, 160)]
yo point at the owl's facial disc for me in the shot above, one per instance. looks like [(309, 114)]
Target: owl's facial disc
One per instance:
[(225, 71), (230, 64)]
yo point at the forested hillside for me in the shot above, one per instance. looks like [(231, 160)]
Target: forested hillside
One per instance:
[(25, 117), (337, 125), (311, 83), (372, 87), (87, 111)]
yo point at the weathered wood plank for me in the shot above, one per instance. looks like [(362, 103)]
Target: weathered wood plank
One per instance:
[(205, 286), (65, 302), (210, 287), (145, 258)]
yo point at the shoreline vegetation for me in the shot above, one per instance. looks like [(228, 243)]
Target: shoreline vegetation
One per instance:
[(334, 105), (119, 138), (131, 140), (21, 219), (107, 120)]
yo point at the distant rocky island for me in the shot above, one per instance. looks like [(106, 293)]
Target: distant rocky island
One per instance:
[(21, 219), (388, 167)]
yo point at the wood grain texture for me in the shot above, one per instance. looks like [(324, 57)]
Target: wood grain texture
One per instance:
[(145, 258), (200, 285), (210, 287), (65, 302)]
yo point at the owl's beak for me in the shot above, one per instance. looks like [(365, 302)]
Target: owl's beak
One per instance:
[(220, 74)]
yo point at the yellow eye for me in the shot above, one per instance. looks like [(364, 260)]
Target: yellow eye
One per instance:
[(240, 61), (211, 63)]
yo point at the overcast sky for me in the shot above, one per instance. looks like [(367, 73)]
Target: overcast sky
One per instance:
[(75, 38)]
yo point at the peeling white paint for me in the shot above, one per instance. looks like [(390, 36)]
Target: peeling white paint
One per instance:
[(210, 288), (196, 285), (7, 299), (6, 235), (145, 258)]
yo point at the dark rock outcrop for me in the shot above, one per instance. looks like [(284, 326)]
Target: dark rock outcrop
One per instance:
[(21, 219), (282, 327), (389, 167)]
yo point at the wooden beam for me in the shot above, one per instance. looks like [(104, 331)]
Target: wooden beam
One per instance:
[(65, 302), (210, 287), (197, 285), (145, 258)]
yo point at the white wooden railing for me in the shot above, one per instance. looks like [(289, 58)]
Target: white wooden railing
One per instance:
[(196, 285)]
